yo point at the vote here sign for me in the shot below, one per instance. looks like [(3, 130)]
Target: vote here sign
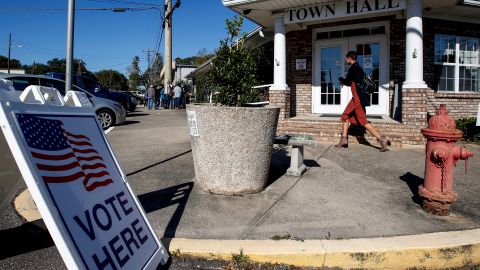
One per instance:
[(78, 179)]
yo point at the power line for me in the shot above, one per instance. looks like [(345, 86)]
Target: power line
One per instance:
[(159, 37), (62, 52), (13, 10), (125, 2)]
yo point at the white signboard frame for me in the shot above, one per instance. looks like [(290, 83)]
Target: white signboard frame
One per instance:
[(107, 218)]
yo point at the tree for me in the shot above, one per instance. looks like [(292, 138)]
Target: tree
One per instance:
[(134, 73), (14, 63), (234, 69), (59, 65), (112, 79), (203, 56), (157, 67), (37, 69)]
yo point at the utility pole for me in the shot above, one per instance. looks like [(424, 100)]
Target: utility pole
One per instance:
[(9, 49), (168, 42), (167, 24), (150, 80), (70, 36)]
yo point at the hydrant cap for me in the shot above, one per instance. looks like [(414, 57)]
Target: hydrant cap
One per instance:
[(442, 122)]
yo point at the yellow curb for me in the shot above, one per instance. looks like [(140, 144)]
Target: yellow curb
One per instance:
[(27, 209), (423, 251)]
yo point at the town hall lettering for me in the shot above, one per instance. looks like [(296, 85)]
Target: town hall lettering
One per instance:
[(342, 9), (314, 12)]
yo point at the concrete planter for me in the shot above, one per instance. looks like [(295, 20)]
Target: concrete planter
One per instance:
[(233, 147)]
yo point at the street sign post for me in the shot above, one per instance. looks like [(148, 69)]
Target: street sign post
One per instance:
[(82, 194)]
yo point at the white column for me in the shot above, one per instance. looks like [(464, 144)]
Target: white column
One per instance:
[(414, 46), (280, 55)]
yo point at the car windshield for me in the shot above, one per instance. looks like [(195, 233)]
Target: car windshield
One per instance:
[(92, 86), (60, 86)]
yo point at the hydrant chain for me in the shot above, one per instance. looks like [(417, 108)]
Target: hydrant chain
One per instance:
[(444, 182)]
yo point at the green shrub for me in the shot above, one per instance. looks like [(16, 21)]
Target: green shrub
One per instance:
[(471, 132), (234, 69)]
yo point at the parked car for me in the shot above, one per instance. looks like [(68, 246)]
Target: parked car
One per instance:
[(108, 112), (98, 90), (139, 95)]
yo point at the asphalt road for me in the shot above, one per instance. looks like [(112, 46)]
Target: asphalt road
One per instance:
[(25, 246)]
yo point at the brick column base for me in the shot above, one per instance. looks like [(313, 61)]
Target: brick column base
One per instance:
[(281, 99), (415, 114)]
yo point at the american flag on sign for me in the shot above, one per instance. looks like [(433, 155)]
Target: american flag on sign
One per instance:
[(61, 156)]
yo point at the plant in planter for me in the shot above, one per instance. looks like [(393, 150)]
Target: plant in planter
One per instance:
[(234, 69), (233, 147)]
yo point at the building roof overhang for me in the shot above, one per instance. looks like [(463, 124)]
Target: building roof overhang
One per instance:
[(262, 11)]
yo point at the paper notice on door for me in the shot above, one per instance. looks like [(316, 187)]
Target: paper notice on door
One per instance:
[(367, 61)]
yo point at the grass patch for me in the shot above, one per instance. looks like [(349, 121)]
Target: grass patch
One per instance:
[(285, 237), (240, 261)]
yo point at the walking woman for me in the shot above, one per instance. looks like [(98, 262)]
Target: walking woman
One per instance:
[(355, 111)]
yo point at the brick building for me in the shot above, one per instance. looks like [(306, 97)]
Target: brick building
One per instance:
[(421, 54)]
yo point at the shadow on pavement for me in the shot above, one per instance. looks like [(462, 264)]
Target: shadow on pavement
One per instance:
[(281, 162), (158, 163), (23, 239), (163, 198), (413, 182), (129, 122), (135, 114)]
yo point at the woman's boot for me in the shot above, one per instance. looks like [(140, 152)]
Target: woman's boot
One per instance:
[(343, 142), (384, 142)]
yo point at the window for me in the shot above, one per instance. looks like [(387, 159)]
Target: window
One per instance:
[(366, 31), (457, 63), (20, 83), (91, 85), (59, 85)]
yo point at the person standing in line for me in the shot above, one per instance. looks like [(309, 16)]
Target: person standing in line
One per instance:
[(177, 94), (168, 94), (157, 97), (150, 97), (145, 100), (355, 111), (162, 97)]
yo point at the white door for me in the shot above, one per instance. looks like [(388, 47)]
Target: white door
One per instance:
[(328, 96)]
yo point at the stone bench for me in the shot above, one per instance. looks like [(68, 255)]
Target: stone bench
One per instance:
[(296, 142)]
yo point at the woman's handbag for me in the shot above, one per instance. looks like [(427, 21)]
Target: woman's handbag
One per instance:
[(368, 85)]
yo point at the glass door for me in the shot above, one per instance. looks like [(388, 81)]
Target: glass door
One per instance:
[(329, 97), (372, 57)]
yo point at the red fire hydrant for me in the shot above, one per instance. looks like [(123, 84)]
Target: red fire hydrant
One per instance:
[(440, 159)]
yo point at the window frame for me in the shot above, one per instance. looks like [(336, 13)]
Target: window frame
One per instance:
[(456, 65)]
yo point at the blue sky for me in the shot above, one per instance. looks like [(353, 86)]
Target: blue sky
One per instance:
[(108, 40)]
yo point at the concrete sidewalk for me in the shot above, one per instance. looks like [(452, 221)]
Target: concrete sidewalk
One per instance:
[(353, 208)]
